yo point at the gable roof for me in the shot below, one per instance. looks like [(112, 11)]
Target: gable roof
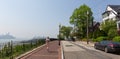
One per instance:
[(115, 7)]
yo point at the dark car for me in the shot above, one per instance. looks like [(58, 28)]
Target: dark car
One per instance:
[(108, 46)]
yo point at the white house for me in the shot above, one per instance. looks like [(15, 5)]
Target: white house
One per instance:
[(112, 13)]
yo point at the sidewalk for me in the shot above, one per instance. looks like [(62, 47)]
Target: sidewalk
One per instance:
[(42, 53), (91, 44), (72, 51)]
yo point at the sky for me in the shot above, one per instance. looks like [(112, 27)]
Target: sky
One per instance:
[(29, 18)]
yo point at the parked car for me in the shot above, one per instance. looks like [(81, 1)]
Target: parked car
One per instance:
[(108, 46)]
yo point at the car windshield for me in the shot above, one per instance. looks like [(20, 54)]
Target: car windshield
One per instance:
[(105, 42)]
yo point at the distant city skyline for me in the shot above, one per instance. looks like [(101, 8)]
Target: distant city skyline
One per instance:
[(29, 18)]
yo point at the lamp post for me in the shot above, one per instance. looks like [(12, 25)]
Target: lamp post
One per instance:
[(59, 34), (75, 27), (87, 28)]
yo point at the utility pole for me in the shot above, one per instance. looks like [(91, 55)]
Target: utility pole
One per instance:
[(87, 28)]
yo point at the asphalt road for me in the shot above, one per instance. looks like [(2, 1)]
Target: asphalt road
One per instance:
[(85, 52)]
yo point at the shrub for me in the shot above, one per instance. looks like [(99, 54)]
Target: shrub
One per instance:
[(84, 39), (116, 39), (100, 39), (98, 33), (112, 33)]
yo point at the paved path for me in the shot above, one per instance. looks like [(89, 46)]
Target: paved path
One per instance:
[(42, 53)]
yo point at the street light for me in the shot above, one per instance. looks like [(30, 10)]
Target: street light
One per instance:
[(87, 28), (75, 23), (59, 34)]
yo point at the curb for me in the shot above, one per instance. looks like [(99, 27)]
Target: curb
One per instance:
[(19, 57), (62, 52), (90, 44)]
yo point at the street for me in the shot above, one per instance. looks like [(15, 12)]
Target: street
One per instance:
[(77, 50)]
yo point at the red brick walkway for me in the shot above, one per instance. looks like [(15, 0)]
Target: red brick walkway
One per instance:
[(42, 53)]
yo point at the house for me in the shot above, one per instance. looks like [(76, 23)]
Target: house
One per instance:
[(112, 13), (96, 26)]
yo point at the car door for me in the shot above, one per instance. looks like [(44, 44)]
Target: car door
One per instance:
[(102, 45), (99, 45)]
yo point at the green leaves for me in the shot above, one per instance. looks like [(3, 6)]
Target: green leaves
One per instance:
[(109, 27), (79, 19), (65, 31), (116, 39)]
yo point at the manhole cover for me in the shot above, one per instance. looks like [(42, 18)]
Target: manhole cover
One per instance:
[(69, 45)]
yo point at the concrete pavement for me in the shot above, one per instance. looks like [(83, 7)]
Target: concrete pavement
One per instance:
[(80, 50), (70, 50)]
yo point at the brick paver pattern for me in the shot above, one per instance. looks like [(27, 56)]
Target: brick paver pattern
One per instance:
[(42, 53)]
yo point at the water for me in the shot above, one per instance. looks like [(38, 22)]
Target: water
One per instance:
[(15, 41), (9, 40)]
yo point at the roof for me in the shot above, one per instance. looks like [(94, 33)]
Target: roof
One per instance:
[(115, 7), (106, 12)]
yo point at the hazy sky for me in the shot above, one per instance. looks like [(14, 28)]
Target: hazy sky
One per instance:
[(29, 18)]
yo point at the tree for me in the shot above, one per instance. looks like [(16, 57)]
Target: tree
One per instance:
[(98, 33), (110, 28), (107, 25), (112, 33), (79, 19), (65, 31)]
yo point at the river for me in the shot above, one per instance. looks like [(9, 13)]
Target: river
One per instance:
[(15, 41)]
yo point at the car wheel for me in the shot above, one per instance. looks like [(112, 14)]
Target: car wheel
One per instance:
[(106, 50)]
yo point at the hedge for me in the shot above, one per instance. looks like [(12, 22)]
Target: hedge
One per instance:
[(98, 39), (116, 39)]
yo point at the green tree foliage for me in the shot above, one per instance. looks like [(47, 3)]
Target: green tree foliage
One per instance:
[(100, 39), (110, 28), (79, 19), (98, 33), (112, 33), (116, 39), (65, 31), (107, 25)]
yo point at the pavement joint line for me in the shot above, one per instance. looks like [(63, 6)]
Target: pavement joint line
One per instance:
[(24, 54)]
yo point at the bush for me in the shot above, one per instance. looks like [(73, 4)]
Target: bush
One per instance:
[(84, 39), (100, 39), (116, 39), (98, 33), (112, 33)]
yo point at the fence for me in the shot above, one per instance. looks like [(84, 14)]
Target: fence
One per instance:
[(10, 51)]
